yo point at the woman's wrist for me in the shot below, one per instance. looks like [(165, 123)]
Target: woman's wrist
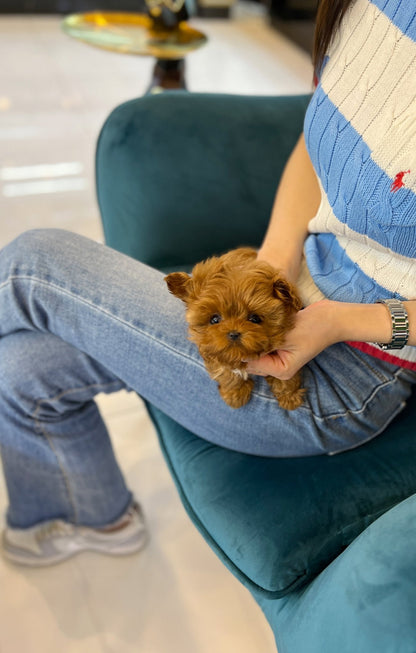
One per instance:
[(360, 322)]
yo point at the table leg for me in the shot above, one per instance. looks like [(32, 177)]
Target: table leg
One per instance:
[(168, 75)]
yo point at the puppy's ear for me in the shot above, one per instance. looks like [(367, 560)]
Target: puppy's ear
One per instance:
[(179, 284), (287, 293)]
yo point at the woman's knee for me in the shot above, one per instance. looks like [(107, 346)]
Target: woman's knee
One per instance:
[(25, 363), (36, 244), (41, 374)]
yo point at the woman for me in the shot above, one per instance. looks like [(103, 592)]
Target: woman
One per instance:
[(70, 327)]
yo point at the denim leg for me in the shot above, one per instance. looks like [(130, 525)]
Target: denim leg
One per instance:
[(57, 457), (120, 313)]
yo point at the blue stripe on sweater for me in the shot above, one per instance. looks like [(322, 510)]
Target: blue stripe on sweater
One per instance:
[(402, 13), (358, 190), (337, 276)]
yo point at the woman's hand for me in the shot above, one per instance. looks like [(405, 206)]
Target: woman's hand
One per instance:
[(323, 324), (316, 327)]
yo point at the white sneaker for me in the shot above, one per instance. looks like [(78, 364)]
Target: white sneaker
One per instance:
[(54, 541)]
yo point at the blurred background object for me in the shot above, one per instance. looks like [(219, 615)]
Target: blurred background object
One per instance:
[(294, 18), (161, 32), (205, 7)]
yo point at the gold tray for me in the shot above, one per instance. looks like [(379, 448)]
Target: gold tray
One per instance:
[(133, 34)]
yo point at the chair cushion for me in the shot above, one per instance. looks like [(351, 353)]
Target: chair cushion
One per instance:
[(276, 523), (364, 602)]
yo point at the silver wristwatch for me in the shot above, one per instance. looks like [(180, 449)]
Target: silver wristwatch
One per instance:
[(400, 324)]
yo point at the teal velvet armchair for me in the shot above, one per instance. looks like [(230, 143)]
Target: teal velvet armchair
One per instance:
[(326, 544)]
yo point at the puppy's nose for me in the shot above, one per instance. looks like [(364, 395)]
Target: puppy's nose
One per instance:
[(233, 335)]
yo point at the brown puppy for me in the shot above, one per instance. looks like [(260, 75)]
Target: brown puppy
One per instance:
[(239, 308)]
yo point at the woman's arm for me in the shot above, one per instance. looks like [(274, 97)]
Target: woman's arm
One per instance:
[(297, 201), (325, 323)]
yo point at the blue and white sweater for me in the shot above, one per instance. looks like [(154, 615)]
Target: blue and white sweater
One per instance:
[(360, 131)]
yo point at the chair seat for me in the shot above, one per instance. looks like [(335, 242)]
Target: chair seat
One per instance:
[(276, 523)]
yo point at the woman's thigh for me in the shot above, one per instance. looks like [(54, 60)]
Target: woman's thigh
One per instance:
[(120, 313)]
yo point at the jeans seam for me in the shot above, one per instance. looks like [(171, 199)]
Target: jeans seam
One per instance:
[(373, 435), (365, 362), (98, 309), (72, 390), (329, 416), (40, 428), (364, 405)]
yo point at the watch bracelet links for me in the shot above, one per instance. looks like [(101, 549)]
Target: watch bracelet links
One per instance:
[(400, 324)]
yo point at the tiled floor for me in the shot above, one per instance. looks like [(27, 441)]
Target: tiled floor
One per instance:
[(54, 95)]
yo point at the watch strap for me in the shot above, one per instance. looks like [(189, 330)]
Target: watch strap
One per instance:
[(400, 324)]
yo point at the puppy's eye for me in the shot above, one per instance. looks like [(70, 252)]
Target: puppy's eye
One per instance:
[(253, 317), (215, 319)]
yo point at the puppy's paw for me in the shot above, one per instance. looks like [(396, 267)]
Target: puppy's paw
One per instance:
[(291, 401), (289, 394), (237, 397)]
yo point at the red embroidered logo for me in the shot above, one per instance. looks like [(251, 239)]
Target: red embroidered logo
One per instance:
[(398, 181)]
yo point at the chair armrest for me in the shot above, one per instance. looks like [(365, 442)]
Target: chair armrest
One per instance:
[(181, 176), (363, 601)]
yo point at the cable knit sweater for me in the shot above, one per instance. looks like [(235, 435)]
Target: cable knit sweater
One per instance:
[(360, 130)]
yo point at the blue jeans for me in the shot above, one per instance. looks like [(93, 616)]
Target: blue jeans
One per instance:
[(77, 318)]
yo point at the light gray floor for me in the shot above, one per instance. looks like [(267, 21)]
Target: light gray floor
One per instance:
[(54, 95)]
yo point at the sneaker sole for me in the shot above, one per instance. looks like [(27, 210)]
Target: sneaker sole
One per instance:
[(15, 557)]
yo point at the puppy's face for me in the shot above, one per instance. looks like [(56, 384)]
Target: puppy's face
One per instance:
[(237, 307)]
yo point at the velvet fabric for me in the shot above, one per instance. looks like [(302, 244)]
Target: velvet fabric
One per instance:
[(314, 539), (165, 165), (363, 602), (276, 523)]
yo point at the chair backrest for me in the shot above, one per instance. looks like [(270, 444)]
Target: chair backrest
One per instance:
[(167, 163)]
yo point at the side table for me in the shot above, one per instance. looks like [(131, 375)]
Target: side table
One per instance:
[(161, 34)]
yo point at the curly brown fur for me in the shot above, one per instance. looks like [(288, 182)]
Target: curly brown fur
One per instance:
[(239, 308)]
